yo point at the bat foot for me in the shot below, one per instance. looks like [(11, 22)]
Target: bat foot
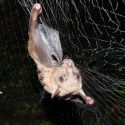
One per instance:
[(37, 6), (37, 9), (89, 100)]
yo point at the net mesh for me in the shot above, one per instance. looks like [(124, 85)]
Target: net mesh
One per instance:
[(90, 27), (92, 34)]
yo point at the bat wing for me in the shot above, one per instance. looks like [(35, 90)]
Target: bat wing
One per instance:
[(51, 41), (42, 54)]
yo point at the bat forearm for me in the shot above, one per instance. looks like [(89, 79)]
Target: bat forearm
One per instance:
[(36, 10)]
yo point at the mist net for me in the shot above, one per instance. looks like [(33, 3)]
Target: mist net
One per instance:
[(87, 28), (92, 34)]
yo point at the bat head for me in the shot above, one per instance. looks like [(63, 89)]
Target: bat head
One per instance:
[(62, 80)]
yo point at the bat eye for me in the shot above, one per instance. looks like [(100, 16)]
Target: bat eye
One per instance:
[(38, 71), (61, 78), (77, 75)]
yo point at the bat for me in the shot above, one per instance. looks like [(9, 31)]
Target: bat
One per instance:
[(60, 78)]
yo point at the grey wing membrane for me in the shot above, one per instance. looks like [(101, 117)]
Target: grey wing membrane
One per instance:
[(47, 44), (51, 40), (41, 49)]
